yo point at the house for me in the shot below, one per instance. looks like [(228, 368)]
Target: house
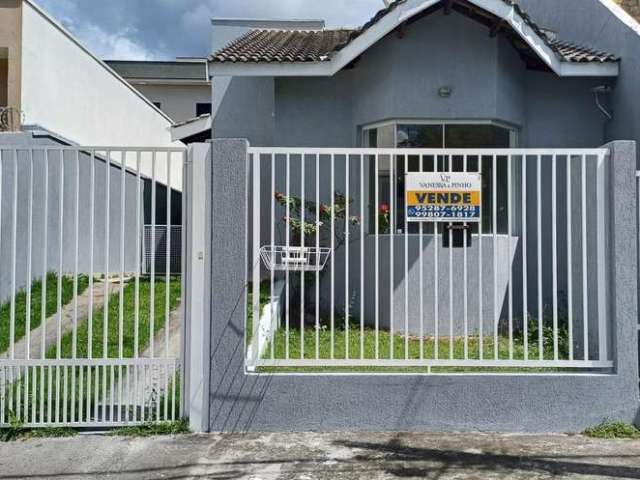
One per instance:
[(180, 88), (523, 106)]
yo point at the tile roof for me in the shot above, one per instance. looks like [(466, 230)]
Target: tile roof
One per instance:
[(260, 45)]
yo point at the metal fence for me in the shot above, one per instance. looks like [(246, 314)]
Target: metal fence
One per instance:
[(165, 240), (341, 276), (85, 339)]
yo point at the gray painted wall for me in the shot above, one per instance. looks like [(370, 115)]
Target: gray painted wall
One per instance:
[(240, 402), (591, 23)]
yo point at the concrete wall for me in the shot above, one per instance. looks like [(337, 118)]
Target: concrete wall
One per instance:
[(177, 101), (240, 402)]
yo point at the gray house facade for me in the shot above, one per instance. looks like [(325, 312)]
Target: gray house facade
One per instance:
[(525, 94)]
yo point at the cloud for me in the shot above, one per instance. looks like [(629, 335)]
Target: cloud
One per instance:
[(164, 29)]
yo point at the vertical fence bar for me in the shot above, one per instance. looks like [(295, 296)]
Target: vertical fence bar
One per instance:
[(554, 252), (510, 248), (92, 195), (603, 333), (123, 171), (60, 256), (465, 287), (436, 281), (421, 260), (377, 255), (496, 309), (167, 296), (288, 248), (525, 299), (105, 311), (136, 293), (152, 291), (449, 159), (318, 259), (74, 348), (43, 297), (272, 273), (570, 258), (256, 191), (333, 256), (539, 248), (392, 231), (14, 228), (406, 268), (346, 261), (362, 246), (27, 330), (302, 246), (585, 279), (480, 282)]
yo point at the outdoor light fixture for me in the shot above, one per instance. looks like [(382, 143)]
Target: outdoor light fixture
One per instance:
[(445, 92)]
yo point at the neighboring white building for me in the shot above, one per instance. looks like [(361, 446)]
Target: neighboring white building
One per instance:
[(180, 88), (55, 83)]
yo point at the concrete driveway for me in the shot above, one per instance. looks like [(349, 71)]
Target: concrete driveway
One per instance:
[(315, 457)]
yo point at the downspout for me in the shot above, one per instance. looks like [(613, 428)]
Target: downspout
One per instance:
[(604, 89)]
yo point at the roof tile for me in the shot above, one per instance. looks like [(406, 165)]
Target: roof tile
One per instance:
[(259, 46)]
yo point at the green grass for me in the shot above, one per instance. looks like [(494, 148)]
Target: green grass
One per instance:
[(447, 348), (60, 381), (128, 324), (51, 305), (612, 430), (179, 427)]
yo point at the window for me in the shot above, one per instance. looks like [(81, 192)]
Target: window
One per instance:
[(203, 109), (158, 105), (438, 135)]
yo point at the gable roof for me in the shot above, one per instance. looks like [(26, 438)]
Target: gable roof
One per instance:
[(264, 46)]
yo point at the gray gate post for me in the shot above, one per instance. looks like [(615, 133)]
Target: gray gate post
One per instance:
[(196, 287)]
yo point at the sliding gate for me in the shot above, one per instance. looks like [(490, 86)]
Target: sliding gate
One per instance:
[(458, 260), (90, 324)]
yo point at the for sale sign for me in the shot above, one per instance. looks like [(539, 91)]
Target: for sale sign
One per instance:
[(444, 197)]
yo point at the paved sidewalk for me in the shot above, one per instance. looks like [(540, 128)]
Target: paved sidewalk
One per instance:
[(322, 457)]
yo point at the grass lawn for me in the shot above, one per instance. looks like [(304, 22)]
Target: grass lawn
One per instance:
[(113, 330), (447, 347), (51, 305)]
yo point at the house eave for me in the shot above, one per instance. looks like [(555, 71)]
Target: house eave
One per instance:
[(397, 17)]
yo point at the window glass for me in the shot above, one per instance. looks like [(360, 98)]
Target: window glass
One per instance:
[(203, 109), (419, 136)]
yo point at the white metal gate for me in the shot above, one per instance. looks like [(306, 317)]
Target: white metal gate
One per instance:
[(339, 279), (85, 339)]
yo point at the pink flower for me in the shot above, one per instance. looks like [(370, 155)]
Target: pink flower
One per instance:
[(279, 196), (384, 208)]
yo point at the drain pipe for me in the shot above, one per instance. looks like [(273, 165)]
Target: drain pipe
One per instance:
[(605, 90)]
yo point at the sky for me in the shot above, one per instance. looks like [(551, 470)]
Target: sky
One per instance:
[(164, 29)]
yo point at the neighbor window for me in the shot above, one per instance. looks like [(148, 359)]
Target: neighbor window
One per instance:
[(429, 135), (203, 109), (158, 105)]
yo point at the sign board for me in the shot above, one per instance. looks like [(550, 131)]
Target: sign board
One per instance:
[(444, 197)]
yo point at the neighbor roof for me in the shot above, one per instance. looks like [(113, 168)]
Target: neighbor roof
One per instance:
[(258, 46), (173, 70)]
